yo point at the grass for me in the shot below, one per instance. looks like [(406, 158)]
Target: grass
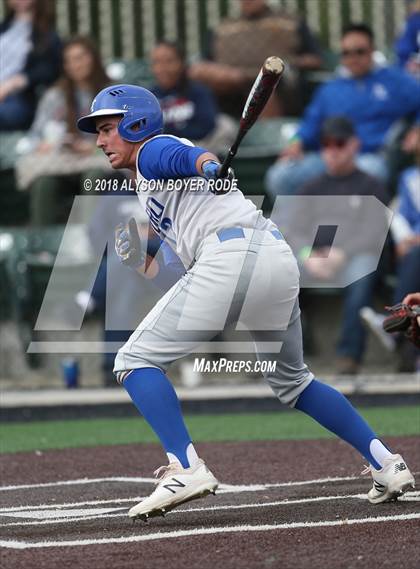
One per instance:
[(30, 436)]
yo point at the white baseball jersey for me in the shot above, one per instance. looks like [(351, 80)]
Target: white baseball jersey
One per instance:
[(184, 218)]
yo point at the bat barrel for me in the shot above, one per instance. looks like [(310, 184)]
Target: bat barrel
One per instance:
[(261, 91)]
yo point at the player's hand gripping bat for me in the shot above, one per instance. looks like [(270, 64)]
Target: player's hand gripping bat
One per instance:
[(261, 91)]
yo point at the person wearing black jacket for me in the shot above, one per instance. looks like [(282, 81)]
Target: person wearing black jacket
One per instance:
[(31, 59), (338, 234), (189, 107)]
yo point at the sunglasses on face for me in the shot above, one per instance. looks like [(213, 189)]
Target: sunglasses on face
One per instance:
[(333, 143), (359, 51)]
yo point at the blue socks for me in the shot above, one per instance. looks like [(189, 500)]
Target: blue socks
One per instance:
[(334, 412), (153, 395), (155, 398)]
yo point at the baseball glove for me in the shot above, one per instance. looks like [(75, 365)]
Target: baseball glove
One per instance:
[(403, 318)]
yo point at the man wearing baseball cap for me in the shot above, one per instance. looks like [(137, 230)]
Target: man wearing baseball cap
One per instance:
[(349, 248)]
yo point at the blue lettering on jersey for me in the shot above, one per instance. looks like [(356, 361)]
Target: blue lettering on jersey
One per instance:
[(166, 223), (154, 210)]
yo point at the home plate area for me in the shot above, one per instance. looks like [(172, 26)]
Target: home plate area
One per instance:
[(251, 523)]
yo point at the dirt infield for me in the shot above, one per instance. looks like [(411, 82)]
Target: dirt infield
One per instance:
[(281, 504)]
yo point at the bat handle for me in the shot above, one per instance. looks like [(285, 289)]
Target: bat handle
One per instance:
[(227, 162), (231, 155)]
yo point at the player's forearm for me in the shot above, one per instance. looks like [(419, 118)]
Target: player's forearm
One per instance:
[(165, 268), (149, 270), (205, 157), (168, 275)]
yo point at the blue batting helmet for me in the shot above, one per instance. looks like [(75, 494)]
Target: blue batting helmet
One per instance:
[(140, 110)]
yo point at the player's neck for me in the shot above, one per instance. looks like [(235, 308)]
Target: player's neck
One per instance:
[(132, 162)]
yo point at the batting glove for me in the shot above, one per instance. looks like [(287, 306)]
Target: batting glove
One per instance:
[(211, 170), (128, 245)]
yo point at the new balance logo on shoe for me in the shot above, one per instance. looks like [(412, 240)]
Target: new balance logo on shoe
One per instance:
[(178, 484), (378, 487), (391, 482)]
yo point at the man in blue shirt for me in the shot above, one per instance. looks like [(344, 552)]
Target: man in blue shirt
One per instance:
[(407, 45), (374, 98)]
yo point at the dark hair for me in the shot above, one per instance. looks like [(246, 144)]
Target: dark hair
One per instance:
[(356, 28), (180, 53), (338, 127), (97, 80), (175, 46), (42, 21)]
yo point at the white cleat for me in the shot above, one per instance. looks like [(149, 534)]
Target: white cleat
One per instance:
[(391, 481), (175, 486)]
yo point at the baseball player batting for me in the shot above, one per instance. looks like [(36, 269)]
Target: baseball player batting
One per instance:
[(240, 270)]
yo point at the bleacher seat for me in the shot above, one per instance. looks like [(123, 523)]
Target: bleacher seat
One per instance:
[(8, 143), (135, 72), (27, 257), (14, 205)]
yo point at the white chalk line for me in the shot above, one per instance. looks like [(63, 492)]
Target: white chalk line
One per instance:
[(138, 480), (223, 489), (61, 514), (61, 517), (76, 482), (68, 520), (4, 511), (14, 544)]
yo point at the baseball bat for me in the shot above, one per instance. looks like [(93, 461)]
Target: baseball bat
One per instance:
[(263, 86)]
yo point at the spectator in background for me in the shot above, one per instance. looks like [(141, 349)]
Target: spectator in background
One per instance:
[(59, 153), (189, 108), (119, 293), (406, 233), (373, 98), (407, 46), (30, 58), (238, 47), (334, 259), (405, 229)]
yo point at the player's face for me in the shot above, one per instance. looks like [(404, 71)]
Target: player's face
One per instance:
[(167, 67), (120, 153), (356, 53)]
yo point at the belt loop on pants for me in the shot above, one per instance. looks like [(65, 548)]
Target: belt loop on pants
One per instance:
[(277, 235), (238, 233), (230, 233)]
